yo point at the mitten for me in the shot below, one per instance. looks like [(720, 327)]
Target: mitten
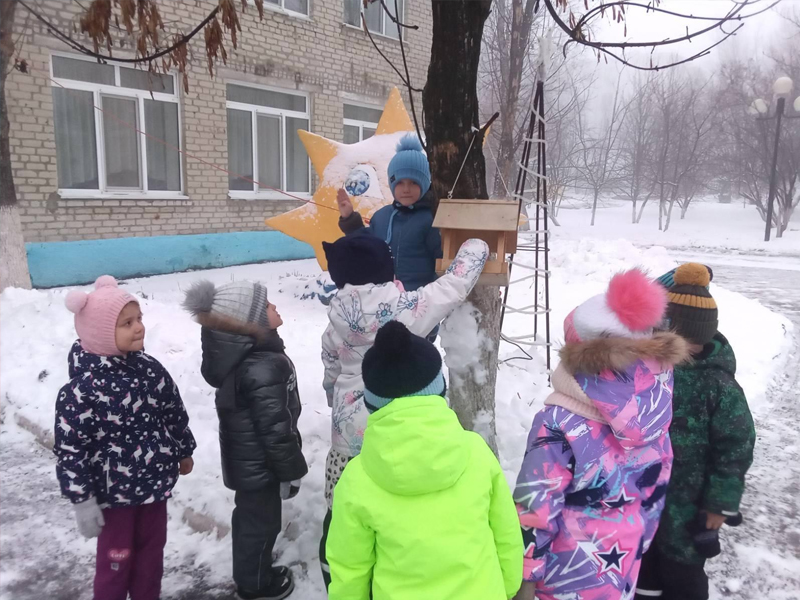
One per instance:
[(706, 541), (89, 517), (289, 489)]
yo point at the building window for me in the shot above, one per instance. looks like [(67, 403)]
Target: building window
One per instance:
[(293, 6), (360, 122), (101, 152), (265, 153), (377, 19)]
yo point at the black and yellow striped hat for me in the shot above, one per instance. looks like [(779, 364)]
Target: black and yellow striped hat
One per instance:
[(692, 311)]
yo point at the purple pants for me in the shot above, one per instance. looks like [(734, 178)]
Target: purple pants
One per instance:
[(130, 552)]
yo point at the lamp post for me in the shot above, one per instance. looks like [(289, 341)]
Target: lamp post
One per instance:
[(782, 88)]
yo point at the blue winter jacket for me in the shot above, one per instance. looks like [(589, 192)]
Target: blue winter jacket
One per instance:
[(409, 231), (120, 430)]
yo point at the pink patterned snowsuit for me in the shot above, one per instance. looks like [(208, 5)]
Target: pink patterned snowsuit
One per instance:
[(591, 488)]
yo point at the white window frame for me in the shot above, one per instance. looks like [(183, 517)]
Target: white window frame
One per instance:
[(281, 9), (384, 16), (98, 91), (358, 122), (255, 110)]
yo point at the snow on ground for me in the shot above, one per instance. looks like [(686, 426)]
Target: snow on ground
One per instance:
[(37, 333), (734, 228)]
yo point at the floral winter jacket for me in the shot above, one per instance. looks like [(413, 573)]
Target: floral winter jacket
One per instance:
[(593, 480), (120, 430), (357, 312)]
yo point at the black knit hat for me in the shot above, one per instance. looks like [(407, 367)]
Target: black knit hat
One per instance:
[(400, 364), (692, 312), (358, 259)]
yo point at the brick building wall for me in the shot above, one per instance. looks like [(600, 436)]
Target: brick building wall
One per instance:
[(318, 55)]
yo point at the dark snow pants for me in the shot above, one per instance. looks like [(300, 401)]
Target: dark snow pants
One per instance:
[(255, 526), (130, 552), (665, 579)]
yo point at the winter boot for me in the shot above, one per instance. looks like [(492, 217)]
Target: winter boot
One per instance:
[(281, 586)]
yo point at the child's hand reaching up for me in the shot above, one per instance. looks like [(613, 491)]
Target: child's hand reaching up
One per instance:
[(186, 465), (345, 205)]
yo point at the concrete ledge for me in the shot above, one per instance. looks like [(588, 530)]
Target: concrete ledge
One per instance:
[(54, 264)]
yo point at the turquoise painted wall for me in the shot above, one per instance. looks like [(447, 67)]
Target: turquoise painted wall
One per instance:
[(54, 264)]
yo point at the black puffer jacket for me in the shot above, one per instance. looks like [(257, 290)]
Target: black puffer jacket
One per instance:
[(258, 407)]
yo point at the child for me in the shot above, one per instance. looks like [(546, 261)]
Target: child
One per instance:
[(713, 436), (258, 406), (121, 439), (361, 267), (407, 224), (424, 511), (593, 479)]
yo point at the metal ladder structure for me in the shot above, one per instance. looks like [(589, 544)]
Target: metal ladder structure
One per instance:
[(539, 245)]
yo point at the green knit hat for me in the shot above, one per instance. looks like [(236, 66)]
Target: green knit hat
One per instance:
[(692, 312)]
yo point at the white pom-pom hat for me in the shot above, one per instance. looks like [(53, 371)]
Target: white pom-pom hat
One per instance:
[(96, 315), (631, 307)]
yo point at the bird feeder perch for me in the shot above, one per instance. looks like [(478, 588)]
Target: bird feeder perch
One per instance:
[(493, 221)]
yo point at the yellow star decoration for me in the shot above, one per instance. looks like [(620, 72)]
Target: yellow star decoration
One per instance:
[(318, 220)]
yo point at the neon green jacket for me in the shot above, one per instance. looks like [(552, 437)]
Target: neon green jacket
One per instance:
[(423, 513)]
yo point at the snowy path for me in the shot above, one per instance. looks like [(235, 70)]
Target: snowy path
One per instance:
[(761, 559), (42, 557)]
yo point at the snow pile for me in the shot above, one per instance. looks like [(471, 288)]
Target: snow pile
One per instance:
[(463, 341), (37, 333)]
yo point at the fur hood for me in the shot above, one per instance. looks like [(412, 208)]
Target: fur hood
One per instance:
[(225, 324), (618, 353)]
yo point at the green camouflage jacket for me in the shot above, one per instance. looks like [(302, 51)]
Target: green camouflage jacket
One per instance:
[(712, 436)]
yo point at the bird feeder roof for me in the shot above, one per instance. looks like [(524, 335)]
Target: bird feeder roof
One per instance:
[(477, 215)]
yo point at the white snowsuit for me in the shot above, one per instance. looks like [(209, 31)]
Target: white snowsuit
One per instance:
[(357, 312)]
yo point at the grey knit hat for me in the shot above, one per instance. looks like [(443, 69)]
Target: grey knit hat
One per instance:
[(242, 301)]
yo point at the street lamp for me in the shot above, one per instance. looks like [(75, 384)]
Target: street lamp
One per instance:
[(782, 88)]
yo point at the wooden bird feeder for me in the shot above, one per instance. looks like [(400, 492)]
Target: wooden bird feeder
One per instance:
[(493, 221)]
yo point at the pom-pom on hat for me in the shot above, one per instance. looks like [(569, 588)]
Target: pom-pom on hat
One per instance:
[(631, 307), (96, 315), (411, 163), (359, 259), (692, 311), (400, 364)]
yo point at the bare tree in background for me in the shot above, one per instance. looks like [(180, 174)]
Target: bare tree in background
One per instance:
[(599, 153), (744, 150), (688, 121), (638, 146), (507, 72)]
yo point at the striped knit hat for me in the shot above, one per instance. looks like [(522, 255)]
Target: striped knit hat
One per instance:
[(692, 312), (241, 301)]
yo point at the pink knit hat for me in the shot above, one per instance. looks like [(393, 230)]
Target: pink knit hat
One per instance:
[(631, 307), (96, 315)]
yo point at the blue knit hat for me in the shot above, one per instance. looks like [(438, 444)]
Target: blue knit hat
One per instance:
[(400, 364), (411, 163)]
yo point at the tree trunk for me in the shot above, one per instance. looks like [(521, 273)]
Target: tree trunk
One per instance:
[(450, 102), (669, 214), (13, 259), (641, 208), (633, 211), (594, 207)]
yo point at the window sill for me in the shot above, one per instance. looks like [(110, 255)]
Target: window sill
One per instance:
[(286, 13), (375, 34), (132, 195), (242, 195)]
